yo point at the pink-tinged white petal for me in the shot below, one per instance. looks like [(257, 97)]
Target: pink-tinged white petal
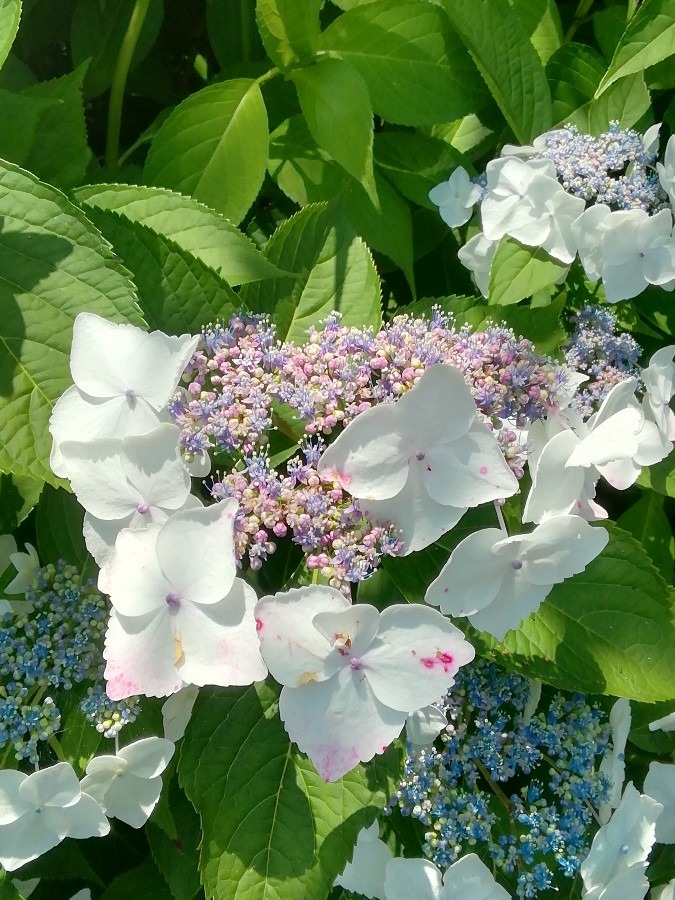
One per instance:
[(415, 657), (152, 465), (141, 655), (109, 359), (293, 649), (148, 757), (470, 877), (218, 641), (471, 578), (420, 518), (370, 457), (195, 549), (338, 722), (468, 471), (440, 408), (351, 631), (408, 878), (135, 580)]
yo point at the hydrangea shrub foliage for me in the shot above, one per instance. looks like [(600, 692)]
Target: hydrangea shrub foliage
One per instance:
[(337, 364)]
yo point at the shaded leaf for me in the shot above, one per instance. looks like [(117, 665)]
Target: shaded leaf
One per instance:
[(10, 15), (58, 527), (647, 521), (144, 881), (660, 477), (194, 227), (289, 30), (53, 265), (272, 828), (415, 163), (213, 147), (542, 23), (501, 48), (18, 496)]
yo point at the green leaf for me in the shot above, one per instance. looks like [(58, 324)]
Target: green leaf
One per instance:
[(626, 103), (272, 827), (542, 22), (96, 33), (20, 116), (290, 30), (60, 152), (144, 881), (647, 521), (7, 889), (335, 272), (18, 495), (58, 526), (335, 103), (194, 227), (415, 163), (609, 25), (574, 72), (660, 477), (518, 272), (178, 859), (53, 265), (541, 325), (608, 630), (649, 38), (416, 69), (177, 292), (213, 147), (303, 171), (10, 16), (501, 48)]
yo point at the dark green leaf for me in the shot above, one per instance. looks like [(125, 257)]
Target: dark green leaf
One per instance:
[(501, 48), (194, 227), (18, 495), (416, 69), (97, 31), (213, 147), (20, 116), (647, 521), (53, 265), (649, 38), (232, 32), (272, 828), (303, 171), (178, 859), (59, 528), (290, 30), (660, 477), (542, 22), (60, 153), (415, 163), (176, 291), (144, 881), (518, 272), (335, 272), (574, 72), (336, 107)]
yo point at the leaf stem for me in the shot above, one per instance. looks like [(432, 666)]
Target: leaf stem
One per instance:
[(579, 18), (494, 787), (53, 742), (124, 57)]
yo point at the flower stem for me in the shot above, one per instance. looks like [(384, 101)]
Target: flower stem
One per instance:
[(500, 518), (53, 742), (124, 57), (579, 18)]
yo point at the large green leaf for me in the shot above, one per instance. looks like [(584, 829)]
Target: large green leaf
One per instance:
[(334, 272), (647, 521), (213, 147), (60, 151), (178, 858), (542, 22), (192, 226), (649, 38), (501, 48), (272, 828), (416, 69), (608, 630), (96, 34), (20, 117), (518, 272), (660, 477), (303, 171), (144, 881), (58, 527), (290, 30), (53, 265), (625, 102), (574, 72), (10, 15), (176, 291), (336, 107)]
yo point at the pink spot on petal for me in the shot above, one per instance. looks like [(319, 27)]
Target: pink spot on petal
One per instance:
[(483, 470), (258, 624), (445, 590), (384, 748), (428, 662), (440, 659)]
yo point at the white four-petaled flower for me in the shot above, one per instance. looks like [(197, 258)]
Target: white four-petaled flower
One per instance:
[(456, 198), (468, 879), (351, 674)]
